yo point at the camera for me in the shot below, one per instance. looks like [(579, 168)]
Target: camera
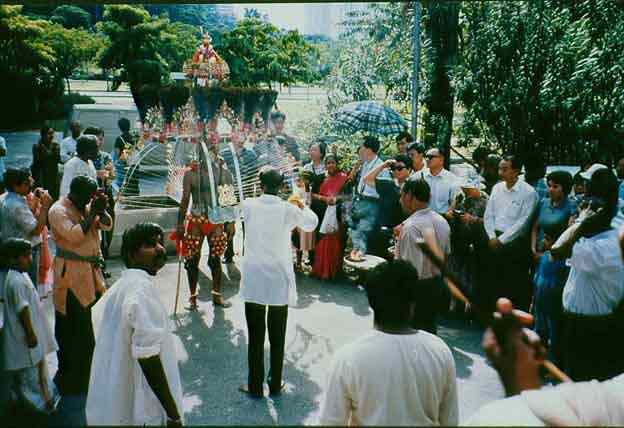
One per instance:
[(459, 213)]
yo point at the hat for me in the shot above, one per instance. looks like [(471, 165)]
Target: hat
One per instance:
[(471, 182), (587, 175)]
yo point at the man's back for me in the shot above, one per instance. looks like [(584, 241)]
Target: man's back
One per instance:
[(392, 379)]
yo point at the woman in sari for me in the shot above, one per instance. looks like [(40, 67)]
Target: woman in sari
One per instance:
[(328, 251)]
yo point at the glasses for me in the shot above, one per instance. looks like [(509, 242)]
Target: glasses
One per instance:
[(429, 157), (397, 168)]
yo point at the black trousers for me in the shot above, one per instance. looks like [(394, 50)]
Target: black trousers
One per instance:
[(432, 298), (257, 324), (76, 342)]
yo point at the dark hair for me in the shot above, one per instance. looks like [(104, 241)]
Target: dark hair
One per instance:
[(137, 236), (404, 135), (604, 185), (43, 132), (371, 143), (418, 147), (389, 288), (331, 156), (85, 144), (93, 130), (271, 179), (123, 124), (13, 248), (15, 176), (480, 154), (277, 115), (562, 178), (492, 160), (405, 160), (82, 185), (419, 189), (578, 179), (516, 162), (322, 148)]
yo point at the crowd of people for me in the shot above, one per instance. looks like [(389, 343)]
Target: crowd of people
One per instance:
[(548, 242)]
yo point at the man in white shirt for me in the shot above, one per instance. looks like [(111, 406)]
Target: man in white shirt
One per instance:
[(81, 164), (443, 183), (416, 152), (68, 145), (593, 296), (394, 375), (507, 223), (365, 209), (135, 378), (528, 403), (268, 277)]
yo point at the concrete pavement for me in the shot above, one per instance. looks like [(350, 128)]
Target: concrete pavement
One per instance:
[(212, 351)]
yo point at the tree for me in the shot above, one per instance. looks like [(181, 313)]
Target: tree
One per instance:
[(71, 17), (71, 47), (258, 53), (206, 16), (543, 76), (133, 49), (178, 43)]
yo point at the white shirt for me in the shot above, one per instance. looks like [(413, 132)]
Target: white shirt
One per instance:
[(130, 323), (267, 274), (18, 293), (509, 210), (595, 284), (68, 148), (392, 379), (365, 189), (73, 168), (569, 404), (444, 186)]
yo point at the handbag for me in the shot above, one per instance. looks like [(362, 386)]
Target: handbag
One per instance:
[(330, 220)]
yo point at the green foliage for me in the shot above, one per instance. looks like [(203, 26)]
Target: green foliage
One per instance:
[(257, 53), (178, 42), (543, 75), (135, 41), (71, 17), (71, 47), (204, 15)]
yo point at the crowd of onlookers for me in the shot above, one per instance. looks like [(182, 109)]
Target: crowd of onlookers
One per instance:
[(506, 228)]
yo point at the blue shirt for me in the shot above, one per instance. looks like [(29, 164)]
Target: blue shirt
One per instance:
[(363, 188), (551, 216), (16, 219)]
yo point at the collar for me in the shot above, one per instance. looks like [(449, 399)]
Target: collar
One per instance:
[(514, 188), (427, 171), (138, 272), (270, 197), (421, 212)]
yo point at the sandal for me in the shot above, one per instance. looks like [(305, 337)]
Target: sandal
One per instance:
[(192, 303), (217, 300)]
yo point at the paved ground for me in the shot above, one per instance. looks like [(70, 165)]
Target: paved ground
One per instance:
[(212, 345)]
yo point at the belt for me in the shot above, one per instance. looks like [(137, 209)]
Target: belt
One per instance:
[(96, 261), (366, 198)]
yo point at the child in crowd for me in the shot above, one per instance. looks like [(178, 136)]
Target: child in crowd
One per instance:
[(26, 337)]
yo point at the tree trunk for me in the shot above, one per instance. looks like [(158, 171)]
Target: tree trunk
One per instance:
[(444, 32)]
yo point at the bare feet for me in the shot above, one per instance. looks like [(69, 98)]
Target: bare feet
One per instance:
[(217, 299)]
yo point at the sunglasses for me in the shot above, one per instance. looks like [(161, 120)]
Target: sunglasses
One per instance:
[(397, 168), (429, 157)]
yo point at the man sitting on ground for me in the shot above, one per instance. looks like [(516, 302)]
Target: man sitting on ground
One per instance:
[(395, 375)]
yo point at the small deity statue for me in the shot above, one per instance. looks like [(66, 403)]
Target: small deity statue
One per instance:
[(205, 52), (206, 67)]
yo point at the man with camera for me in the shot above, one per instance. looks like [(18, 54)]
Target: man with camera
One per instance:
[(75, 223)]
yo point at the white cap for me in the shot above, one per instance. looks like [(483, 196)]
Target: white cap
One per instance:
[(587, 175)]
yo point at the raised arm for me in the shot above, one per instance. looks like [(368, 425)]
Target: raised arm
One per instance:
[(371, 176)]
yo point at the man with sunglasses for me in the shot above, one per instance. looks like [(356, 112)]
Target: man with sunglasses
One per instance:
[(389, 189), (443, 183)]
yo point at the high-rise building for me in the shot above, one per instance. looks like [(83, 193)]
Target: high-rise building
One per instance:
[(325, 18)]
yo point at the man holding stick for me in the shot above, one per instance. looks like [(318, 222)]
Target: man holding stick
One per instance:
[(424, 225)]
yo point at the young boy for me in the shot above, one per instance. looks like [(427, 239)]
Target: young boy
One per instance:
[(26, 336)]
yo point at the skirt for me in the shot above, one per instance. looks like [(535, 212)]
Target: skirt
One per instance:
[(328, 256)]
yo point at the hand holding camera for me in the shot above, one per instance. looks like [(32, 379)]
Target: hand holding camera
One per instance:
[(99, 202)]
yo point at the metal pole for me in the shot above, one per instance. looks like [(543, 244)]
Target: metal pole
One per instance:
[(415, 66)]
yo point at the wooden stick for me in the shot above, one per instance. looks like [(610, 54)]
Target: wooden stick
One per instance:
[(453, 283), (175, 307)]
